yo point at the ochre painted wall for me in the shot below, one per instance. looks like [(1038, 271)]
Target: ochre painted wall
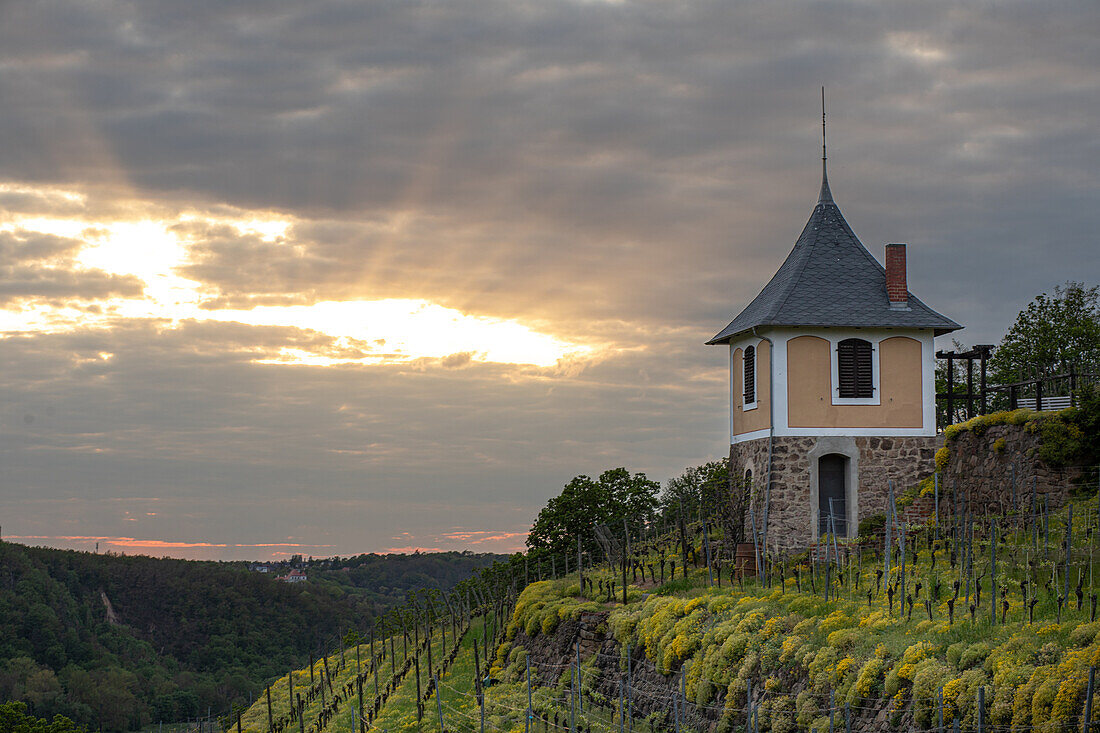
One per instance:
[(758, 419), (809, 387)]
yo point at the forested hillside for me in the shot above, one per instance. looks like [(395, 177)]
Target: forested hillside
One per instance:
[(122, 641), (387, 579)]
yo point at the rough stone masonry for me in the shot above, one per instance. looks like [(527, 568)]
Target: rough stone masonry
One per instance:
[(792, 514)]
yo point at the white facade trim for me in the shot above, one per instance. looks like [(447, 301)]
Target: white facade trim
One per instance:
[(928, 381), (856, 432), (746, 437), (777, 387)]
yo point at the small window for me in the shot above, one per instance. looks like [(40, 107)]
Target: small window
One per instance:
[(750, 375), (854, 369)]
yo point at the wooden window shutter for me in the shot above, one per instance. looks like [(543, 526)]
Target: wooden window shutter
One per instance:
[(750, 374), (854, 369)]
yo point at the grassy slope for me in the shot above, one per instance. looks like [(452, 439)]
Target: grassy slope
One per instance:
[(800, 648), (399, 712)]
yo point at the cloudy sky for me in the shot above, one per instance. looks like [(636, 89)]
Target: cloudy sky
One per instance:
[(343, 276)]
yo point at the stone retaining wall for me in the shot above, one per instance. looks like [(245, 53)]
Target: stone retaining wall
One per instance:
[(980, 467)]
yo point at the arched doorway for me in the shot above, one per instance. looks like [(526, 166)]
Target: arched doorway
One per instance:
[(832, 494)]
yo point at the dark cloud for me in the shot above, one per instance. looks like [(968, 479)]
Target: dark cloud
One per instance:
[(38, 267), (237, 450), (57, 287), (21, 246), (623, 174), (516, 155)]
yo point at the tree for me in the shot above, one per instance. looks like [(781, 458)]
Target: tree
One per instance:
[(584, 503), (696, 491), (14, 719), (1050, 335)]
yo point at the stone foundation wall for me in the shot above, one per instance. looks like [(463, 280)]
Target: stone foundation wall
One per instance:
[(980, 467), (792, 514)]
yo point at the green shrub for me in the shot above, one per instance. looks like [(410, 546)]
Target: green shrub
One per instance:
[(821, 669), (907, 497), (930, 676), (869, 682), (871, 524), (954, 653), (1062, 440), (806, 709), (974, 655), (1085, 634), (1049, 653)]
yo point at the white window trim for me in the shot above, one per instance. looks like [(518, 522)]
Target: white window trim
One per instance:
[(834, 359), (779, 377), (747, 406)]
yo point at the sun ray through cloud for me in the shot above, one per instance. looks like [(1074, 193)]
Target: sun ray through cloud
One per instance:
[(358, 331)]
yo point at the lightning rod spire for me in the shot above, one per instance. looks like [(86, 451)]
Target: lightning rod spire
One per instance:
[(826, 196)]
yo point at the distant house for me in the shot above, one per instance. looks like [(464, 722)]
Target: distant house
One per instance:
[(832, 383), (259, 568), (294, 576)]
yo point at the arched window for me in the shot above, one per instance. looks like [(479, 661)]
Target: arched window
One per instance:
[(750, 375), (748, 477), (854, 369)]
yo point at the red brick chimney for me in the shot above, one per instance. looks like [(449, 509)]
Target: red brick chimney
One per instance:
[(896, 288)]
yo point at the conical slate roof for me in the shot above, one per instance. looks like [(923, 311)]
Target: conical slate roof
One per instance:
[(830, 279)]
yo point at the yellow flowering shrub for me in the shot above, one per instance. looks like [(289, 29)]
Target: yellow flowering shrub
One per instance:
[(928, 676), (1023, 699), (751, 623), (805, 627), (917, 652), (623, 622), (791, 645), (844, 639), (844, 677), (654, 628), (1067, 702), (749, 666), (1042, 702), (781, 715), (974, 655), (694, 603), (960, 697), (821, 669), (868, 682), (1085, 634), (841, 669), (835, 620), (943, 455), (772, 627)]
